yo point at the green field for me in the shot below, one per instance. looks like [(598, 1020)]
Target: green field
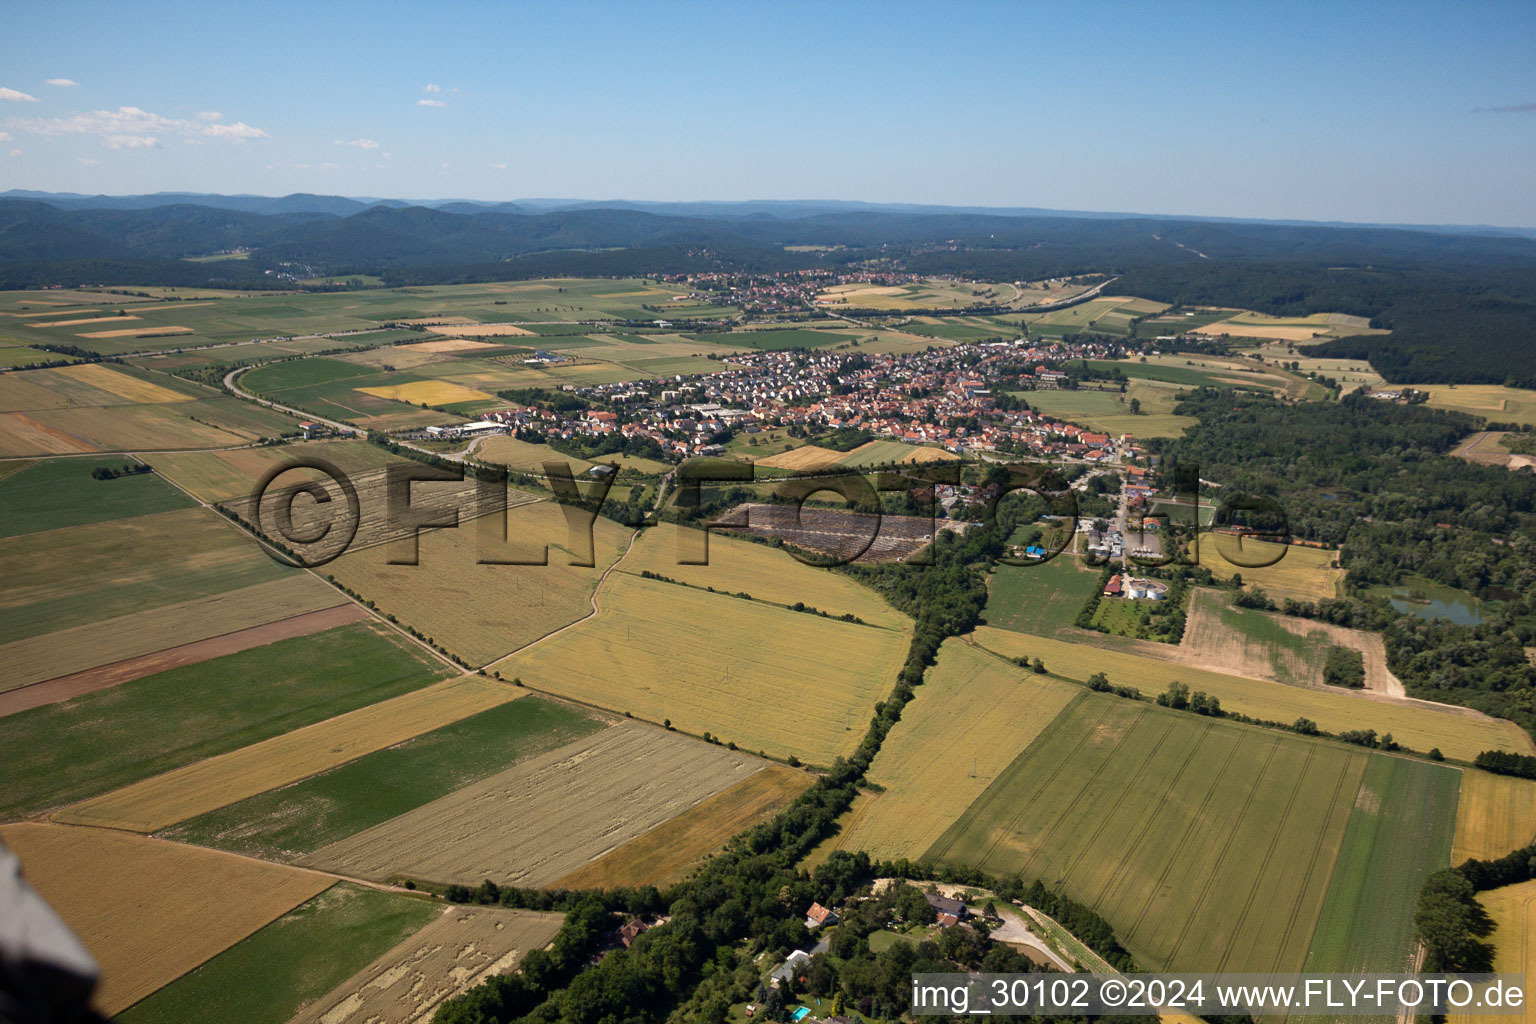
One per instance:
[(102, 740), (1038, 599), (22, 355), (1154, 371), (298, 958), (957, 331), (775, 340), (1400, 830), (55, 493), (1139, 619), (1105, 411), (298, 819), (1205, 844)]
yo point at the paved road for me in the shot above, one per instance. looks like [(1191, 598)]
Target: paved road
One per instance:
[(229, 383)]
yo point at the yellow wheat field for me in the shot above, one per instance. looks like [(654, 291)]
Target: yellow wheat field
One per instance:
[(471, 330), (1496, 815), (429, 392), (747, 672), (205, 786), (805, 457), (137, 332), (1419, 725), (121, 384), (1302, 573), (150, 911)]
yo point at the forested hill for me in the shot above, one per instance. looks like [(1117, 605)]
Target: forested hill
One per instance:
[(1462, 307)]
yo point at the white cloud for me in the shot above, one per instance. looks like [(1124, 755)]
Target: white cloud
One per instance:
[(389, 156), (430, 103), (5, 136), (358, 143), (132, 127), (327, 166), (15, 152), (432, 88), (63, 83), (15, 97), (498, 167), (87, 161), (209, 115)]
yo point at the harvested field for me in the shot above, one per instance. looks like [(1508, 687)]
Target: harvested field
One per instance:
[(1513, 910), (20, 434), (741, 566), (1279, 332), (1304, 573), (123, 385), (1496, 815), (483, 612), (473, 330), (461, 948), (297, 958), (744, 671), (203, 902), (546, 816), (89, 681), (524, 456), (881, 452), (1205, 844), (140, 332), (233, 474), (971, 718), (148, 428), (806, 457), (454, 344), (855, 536), (428, 392), (204, 786), (162, 632), (666, 853), (1418, 725), (1264, 645), (1495, 401)]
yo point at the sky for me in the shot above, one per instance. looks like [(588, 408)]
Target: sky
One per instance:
[(1367, 112)]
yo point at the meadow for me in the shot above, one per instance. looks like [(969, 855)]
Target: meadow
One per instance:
[(968, 722), (203, 902), (288, 821), (1108, 412), (103, 740), (294, 960), (547, 815), (1400, 829), (1491, 401), (218, 781), (666, 853), (1040, 598), (1205, 844), (1301, 572), (1420, 726), (57, 493), (744, 671)]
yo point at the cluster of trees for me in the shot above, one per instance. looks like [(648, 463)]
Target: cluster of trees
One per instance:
[(127, 469), (1178, 697), (1505, 763), (1450, 921), (1344, 666)]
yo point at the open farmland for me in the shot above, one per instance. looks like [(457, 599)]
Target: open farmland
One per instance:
[(195, 789), (462, 947), (99, 741), (1495, 815), (1040, 598), (289, 822), (1108, 412), (741, 670), (1206, 845), (666, 853), (203, 902), (483, 612), (233, 474), (842, 534), (1419, 725), (741, 566), (805, 457), (969, 720), (1400, 829), (1513, 910), (1492, 401), (882, 452), (47, 657), (56, 493), (548, 815), (1303, 573), (295, 959)]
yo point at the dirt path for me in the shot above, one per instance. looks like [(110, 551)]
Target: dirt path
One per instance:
[(1015, 931), (51, 691)]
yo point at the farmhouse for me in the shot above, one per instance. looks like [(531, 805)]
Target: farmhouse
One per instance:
[(951, 911), (819, 915)]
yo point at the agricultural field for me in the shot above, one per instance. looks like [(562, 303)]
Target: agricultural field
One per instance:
[(881, 452), (360, 395), (1491, 401), (1400, 829), (1316, 327), (1496, 815), (208, 785), (767, 574), (100, 741), (483, 612), (666, 853), (459, 949), (226, 475), (1419, 725), (1040, 598), (968, 722), (55, 493), (806, 457), (1105, 314), (291, 962), (203, 902), (20, 356), (744, 671), (935, 293), (1301, 572), (1107, 412), (289, 821), (1205, 844), (1513, 910), (546, 816)]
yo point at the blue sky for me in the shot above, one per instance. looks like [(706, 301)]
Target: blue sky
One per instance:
[(1390, 112)]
